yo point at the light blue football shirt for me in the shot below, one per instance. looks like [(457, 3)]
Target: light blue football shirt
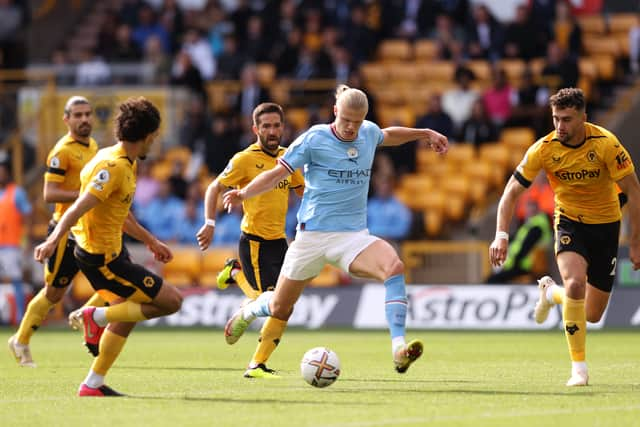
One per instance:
[(336, 175)]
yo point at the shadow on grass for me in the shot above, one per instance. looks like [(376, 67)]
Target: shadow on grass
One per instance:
[(177, 368), (312, 400)]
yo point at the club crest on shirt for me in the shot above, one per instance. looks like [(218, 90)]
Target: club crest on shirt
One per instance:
[(591, 156), (352, 152), (54, 162)]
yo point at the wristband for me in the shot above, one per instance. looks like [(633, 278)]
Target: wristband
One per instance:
[(502, 235), (211, 222)]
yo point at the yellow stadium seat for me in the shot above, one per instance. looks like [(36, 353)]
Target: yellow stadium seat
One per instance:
[(328, 277), (622, 22), (433, 222), (499, 157), (404, 74), (455, 208), (518, 137), (374, 73), (266, 72), (426, 157), (588, 68), (161, 170), (213, 261), (625, 44), (416, 183), (438, 71), (425, 50), (592, 24), (460, 154), (395, 50), (396, 116), (185, 267), (514, 68), (456, 184), (606, 66), (481, 68), (178, 153), (298, 117), (602, 45)]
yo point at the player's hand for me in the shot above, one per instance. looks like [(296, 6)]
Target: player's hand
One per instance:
[(205, 236), (161, 252), (231, 198), (498, 252), (437, 141), (44, 250)]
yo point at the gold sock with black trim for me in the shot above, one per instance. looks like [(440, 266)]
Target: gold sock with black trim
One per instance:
[(37, 311), (575, 327), (270, 335), (96, 301), (244, 285), (111, 345), (127, 311)]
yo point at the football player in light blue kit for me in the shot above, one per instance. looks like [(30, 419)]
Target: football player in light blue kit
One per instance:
[(332, 221)]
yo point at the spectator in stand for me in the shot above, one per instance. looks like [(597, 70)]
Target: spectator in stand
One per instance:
[(485, 35), (256, 45), (196, 130), (201, 56), (458, 102), (223, 143), (529, 104), (160, 216), (387, 217), (634, 47), (192, 215), (147, 26), (219, 27), (14, 17), (519, 42), (409, 19), (230, 61), (147, 188), (92, 70), (342, 66), (497, 99), (456, 9), (567, 31), (107, 34), (172, 20), (251, 94), (286, 55), (123, 48), (560, 70), (435, 118), (479, 128), (129, 12), (62, 68), (358, 38), (184, 73), (157, 62), (312, 37), (448, 37)]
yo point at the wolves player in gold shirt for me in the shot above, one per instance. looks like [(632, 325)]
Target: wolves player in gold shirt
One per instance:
[(61, 185), (583, 162), (98, 217), (263, 241)]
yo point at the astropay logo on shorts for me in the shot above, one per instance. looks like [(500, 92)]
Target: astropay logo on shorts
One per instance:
[(459, 307)]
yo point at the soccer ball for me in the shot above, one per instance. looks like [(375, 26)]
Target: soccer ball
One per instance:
[(320, 367)]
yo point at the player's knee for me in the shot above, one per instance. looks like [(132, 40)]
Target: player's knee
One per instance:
[(54, 295), (574, 287), (174, 302), (395, 267)]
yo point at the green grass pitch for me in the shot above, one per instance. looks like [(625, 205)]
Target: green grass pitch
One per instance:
[(192, 378)]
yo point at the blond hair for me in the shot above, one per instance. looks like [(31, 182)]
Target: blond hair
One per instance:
[(351, 98)]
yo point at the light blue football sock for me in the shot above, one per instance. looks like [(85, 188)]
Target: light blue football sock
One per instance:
[(259, 307), (395, 305)]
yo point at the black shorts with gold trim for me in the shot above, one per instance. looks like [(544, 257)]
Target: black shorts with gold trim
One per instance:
[(261, 260), (61, 267), (120, 276), (597, 243)]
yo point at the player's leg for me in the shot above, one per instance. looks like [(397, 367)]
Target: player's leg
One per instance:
[(266, 259), (59, 270), (573, 270), (550, 294), (596, 301), (380, 261)]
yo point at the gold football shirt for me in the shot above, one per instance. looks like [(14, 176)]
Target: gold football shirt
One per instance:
[(583, 177), (265, 214), (64, 163), (111, 177)]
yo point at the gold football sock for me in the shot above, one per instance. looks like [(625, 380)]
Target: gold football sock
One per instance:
[(575, 327), (37, 311), (244, 285), (127, 311), (557, 294), (95, 301), (110, 347), (270, 335)]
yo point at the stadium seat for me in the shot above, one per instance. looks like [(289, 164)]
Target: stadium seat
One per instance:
[(394, 50), (416, 183), (328, 277), (518, 137), (514, 68), (606, 66), (178, 153), (213, 261), (161, 170), (455, 208), (433, 222), (588, 68), (438, 71), (425, 158), (592, 25), (499, 156), (480, 170), (374, 73), (622, 22), (481, 69), (602, 45), (425, 50), (298, 117), (266, 73), (460, 154), (456, 185), (404, 74), (185, 267), (395, 116)]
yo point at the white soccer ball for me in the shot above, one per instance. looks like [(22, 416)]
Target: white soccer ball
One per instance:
[(320, 367)]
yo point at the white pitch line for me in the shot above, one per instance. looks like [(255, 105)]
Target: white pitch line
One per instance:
[(489, 415)]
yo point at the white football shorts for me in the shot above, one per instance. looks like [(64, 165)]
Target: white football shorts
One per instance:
[(311, 250)]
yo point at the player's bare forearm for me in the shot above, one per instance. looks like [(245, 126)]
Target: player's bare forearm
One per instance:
[(211, 199), (54, 193), (134, 229), (264, 182), (507, 204), (631, 187)]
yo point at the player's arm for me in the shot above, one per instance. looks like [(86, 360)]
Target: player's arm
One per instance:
[(82, 205), (397, 135), (506, 207), (54, 193), (260, 184), (134, 229), (205, 234), (630, 186)]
